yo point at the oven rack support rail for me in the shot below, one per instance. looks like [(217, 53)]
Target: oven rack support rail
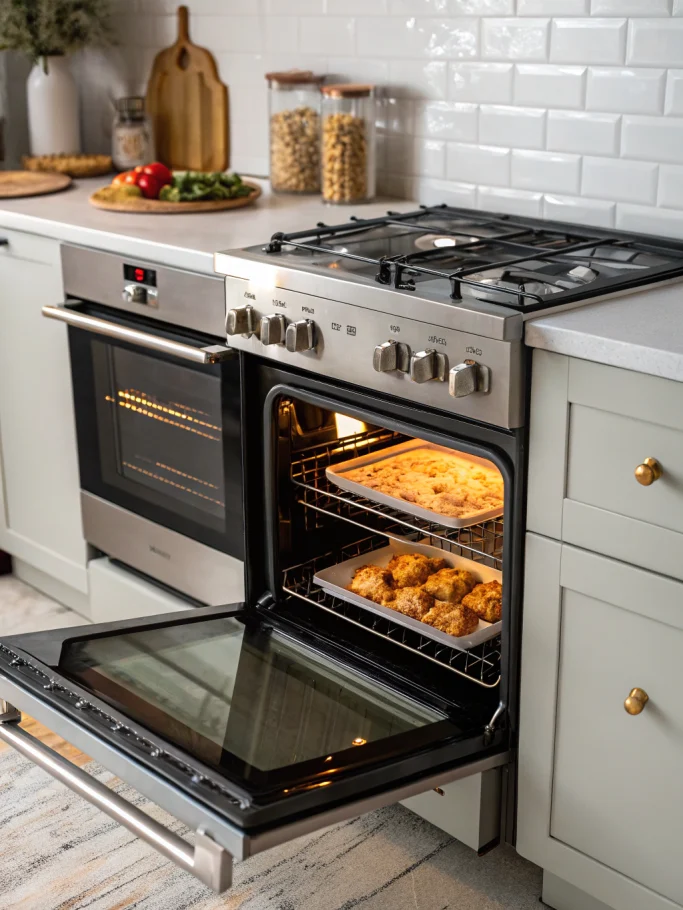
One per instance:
[(512, 235)]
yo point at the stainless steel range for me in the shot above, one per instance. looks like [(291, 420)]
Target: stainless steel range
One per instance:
[(429, 305)]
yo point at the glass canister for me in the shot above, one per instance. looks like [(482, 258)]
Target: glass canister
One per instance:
[(132, 141), (294, 107), (348, 143)]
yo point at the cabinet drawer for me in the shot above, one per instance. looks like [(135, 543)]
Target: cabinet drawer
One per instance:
[(29, 247), (616, 793)]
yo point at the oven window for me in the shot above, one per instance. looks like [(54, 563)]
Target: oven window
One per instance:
[(160, 432)]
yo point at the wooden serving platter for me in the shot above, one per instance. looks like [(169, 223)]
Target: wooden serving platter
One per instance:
[(14, 184), (144, 206)]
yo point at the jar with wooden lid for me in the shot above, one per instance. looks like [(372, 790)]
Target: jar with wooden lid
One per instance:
[(294, 106), (348, 143)]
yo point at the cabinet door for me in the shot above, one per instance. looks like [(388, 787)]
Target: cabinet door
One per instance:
[(41, 523)]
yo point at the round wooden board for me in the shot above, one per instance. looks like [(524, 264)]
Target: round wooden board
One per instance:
[(156, 207), (31, 183)]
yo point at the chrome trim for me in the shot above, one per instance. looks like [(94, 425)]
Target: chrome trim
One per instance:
[(207, 860), (212, 354)]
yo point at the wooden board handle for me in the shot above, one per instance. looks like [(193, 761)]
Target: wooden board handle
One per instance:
[(183, 25)]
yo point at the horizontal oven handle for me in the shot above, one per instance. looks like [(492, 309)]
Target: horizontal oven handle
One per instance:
[(207, 860), (212, 354)]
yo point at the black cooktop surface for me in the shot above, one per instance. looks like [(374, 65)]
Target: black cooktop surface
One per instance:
[(520, 263)]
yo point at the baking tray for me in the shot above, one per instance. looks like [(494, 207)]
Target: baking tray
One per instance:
[(336, 475), (335, 579)]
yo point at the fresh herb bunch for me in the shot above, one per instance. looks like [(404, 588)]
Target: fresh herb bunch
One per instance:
[(48, 28), (192, 186)]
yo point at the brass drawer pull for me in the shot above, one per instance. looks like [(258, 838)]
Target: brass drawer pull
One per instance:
[(636, 701), (649, 471)]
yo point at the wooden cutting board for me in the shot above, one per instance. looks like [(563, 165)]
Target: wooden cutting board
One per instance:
[(28, 183), (159, 207), (188, 105)]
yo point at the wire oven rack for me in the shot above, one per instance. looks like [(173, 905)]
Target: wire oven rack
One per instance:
[(480, 664)]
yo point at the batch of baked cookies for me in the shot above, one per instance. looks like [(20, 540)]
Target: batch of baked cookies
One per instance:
[(428, 589)]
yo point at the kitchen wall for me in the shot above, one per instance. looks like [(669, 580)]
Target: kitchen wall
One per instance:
[(571, 109)]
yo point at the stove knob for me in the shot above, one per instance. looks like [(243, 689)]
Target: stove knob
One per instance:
[(392, 355), (273, 329), (468, 377), (300, 336), (240, 321), (135, 293), (426, 365)]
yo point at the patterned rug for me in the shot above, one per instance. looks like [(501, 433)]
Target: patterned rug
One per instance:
[(59, 853)]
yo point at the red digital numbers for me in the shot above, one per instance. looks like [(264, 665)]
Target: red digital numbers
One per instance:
[(139, 275)]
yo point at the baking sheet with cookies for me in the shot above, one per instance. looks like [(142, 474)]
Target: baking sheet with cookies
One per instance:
[(336, 579), (336, 474)]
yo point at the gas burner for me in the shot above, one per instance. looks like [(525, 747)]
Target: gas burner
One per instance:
[(540, 279), (443, 241)]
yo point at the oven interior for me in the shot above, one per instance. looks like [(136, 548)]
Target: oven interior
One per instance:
[(321, 525)]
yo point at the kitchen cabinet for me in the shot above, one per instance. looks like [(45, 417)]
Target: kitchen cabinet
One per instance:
[(600, 807), (40, 518)]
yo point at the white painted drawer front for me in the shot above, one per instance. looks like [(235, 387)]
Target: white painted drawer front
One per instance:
[(604, 451), (618, 779)]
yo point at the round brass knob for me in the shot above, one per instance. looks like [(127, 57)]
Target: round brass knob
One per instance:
[(636, 701), (649, 471)]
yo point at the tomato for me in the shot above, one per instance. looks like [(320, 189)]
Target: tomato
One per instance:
[(120, 179), (159, 171), (131, 178), (149, 185), (139, 169)]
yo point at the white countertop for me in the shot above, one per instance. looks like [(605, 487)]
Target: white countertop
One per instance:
[(642, 331), (184, 241)]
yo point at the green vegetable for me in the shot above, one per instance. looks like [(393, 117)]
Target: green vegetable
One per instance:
[(194, 186)]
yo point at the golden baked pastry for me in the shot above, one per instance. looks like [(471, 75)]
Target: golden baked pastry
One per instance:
[(413, 601), (450, 584), (410, 569), (73, 165), (486, 600), (440, 481), (373, 582), (456, 620)]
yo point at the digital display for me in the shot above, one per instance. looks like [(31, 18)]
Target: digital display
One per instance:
[(140, 275)]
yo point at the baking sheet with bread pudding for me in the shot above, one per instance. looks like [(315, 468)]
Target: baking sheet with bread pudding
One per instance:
[(433, 482), (336, 579)]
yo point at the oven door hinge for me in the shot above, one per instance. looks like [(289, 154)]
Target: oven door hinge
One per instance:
[(266, 601), (493, 723)]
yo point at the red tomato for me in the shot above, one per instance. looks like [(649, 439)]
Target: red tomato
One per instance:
[(159, 171), (131, 178), (139, 168), (120, 179), (149, 185)]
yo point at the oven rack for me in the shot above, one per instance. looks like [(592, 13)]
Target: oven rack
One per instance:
[(480, 664)]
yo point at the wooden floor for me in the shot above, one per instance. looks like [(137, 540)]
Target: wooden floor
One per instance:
[(52, 740)]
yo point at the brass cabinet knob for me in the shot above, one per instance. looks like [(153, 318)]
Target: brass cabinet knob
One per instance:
[(649, 471), (636, 701)]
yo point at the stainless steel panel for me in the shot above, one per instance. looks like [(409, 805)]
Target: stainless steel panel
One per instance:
[(180, 562), (183, 298)]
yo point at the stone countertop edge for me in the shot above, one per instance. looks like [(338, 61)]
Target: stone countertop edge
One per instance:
[(641, 331), (186, 241)]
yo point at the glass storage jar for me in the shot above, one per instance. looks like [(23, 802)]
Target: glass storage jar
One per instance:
[(131, 139), (294, 107), (348, 143)]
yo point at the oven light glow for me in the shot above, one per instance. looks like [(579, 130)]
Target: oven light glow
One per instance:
[(359, 741), (348, 426)]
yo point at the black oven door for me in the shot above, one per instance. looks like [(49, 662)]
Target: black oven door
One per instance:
[(158, 424)]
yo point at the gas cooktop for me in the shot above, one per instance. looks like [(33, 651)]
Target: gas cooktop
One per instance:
[(523, 264)]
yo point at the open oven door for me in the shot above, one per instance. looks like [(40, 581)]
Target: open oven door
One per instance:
[(250, 729)]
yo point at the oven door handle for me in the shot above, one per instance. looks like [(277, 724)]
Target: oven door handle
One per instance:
[(207, 860), (212, 354)]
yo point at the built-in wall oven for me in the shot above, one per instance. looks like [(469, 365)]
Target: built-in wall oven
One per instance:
[(156, 403)]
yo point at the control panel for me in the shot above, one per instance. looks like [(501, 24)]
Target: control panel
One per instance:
[(435, 365)]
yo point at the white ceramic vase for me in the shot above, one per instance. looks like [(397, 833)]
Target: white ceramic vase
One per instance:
[(53, 108)]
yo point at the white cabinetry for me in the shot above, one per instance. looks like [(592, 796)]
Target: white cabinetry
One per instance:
[(40, 519), (600, 803)]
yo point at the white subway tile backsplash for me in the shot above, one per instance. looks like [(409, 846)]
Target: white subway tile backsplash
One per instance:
[(418, 7), (648, 220), (579, 210), (630, 7), (482, 7), (411, 37), (673, 103), (514, 202), (652, 138), (624, 181), (552, 7), (577, 131), (548, 85), (430, 157), (515, 39), (436, 192), (271, 7), (395, 115), (624, 90), (510, 126), (244, 35), (552, 172), (482, 82), (655, 42), (446, 120), (670, 193), (356, 7), (417, 78), (325, 35), (677, 8), (588, 40), (478, 164), (356, 69)]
